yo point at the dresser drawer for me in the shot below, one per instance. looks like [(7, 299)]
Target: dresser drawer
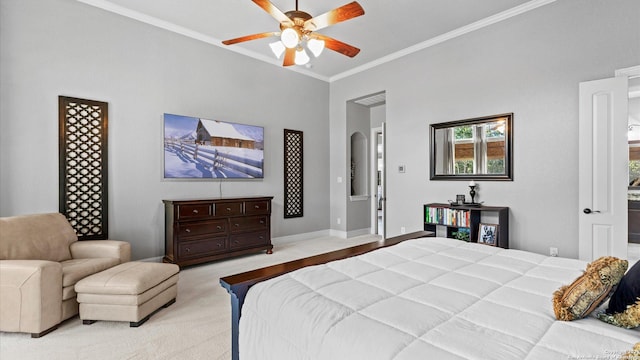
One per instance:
[(194, 211), (248, 223), (198, 231), (199, 248), (256, 207), (228, 209), (202, 227), (247, 240)]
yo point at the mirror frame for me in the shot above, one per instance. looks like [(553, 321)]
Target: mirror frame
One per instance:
[(508, 161)]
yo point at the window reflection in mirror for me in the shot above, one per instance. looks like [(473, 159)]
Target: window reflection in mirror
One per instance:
[(478, 148)]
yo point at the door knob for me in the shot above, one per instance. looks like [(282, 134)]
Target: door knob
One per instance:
[(589, 211)]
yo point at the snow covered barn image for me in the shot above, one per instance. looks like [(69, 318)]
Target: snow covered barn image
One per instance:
[(217, 133), (196, 148)]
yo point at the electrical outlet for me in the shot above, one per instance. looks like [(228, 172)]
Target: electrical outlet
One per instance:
[(339, 221), (553, 251), (403, 230)]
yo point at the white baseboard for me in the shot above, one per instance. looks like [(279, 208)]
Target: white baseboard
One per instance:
[(338, 233), (349, 234), (359, 232), (300, 237), (321, 233)]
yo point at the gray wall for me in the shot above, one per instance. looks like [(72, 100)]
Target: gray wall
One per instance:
[(529, 65), (62, 47)]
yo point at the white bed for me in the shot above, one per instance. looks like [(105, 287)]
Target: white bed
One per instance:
[(428, 298)]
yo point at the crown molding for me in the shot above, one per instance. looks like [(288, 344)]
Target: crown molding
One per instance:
[(531, 5), (147, 19)]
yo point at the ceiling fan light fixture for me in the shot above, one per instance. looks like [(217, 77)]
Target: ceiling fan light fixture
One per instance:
[(301, 57), (298, 34), (278, 48), (289, 38), (316, 46)]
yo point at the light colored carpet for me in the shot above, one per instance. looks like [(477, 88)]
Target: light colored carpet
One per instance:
[(197, 326)]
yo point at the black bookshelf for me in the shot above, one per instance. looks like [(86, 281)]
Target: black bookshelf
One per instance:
[(472, 216)]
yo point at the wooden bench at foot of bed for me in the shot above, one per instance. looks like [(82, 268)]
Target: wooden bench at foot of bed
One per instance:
[(238, 285)]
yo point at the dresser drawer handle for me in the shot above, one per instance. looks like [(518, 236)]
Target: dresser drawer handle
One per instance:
[(261, 237), (187, 230), (219, 245), (219, 227), (195, 211), (236, 225), (228, 209), (187, 249), (257, 206), (236, 242), (261, 221)]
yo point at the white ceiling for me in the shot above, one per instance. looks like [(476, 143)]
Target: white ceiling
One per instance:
[(388, 29)]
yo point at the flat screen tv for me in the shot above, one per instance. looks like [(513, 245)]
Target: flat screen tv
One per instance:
[(196, 148)]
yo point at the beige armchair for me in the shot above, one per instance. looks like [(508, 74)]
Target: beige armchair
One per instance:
[(41, 259)]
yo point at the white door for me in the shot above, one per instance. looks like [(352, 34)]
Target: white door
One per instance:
[(378, 181), (603, 168)]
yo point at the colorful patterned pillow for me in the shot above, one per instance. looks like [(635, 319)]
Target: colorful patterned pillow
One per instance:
[(624, 305), (589, 290), (633, 354)]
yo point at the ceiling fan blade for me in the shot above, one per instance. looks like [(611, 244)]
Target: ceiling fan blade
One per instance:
[(289, 57), (250, 37), (267, 6), (337, 45), (334, 16)]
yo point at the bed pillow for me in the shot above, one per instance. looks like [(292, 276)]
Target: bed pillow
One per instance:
[(575, 301), (624, 305), (633, 354)]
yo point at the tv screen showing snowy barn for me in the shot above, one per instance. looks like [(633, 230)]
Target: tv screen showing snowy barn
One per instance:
[(196, 148)]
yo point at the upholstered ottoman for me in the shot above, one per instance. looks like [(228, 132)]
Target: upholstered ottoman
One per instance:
[(132, 292)]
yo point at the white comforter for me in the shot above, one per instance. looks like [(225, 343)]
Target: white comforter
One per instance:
[(430, 298)]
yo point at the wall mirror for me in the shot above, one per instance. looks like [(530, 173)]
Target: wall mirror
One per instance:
[(478, 149)]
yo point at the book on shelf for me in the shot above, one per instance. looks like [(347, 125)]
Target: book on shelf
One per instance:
[(447, 216)]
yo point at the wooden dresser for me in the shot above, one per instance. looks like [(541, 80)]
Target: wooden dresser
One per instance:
[(198, 231)]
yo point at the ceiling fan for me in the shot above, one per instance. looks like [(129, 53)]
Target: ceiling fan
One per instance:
[(298, 31)]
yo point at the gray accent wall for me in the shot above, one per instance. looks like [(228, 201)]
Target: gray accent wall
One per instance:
[(62, 47), (530, 65)]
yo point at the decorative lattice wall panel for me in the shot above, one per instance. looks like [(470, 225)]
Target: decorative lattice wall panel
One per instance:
[(293, 189), (83, 166)]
